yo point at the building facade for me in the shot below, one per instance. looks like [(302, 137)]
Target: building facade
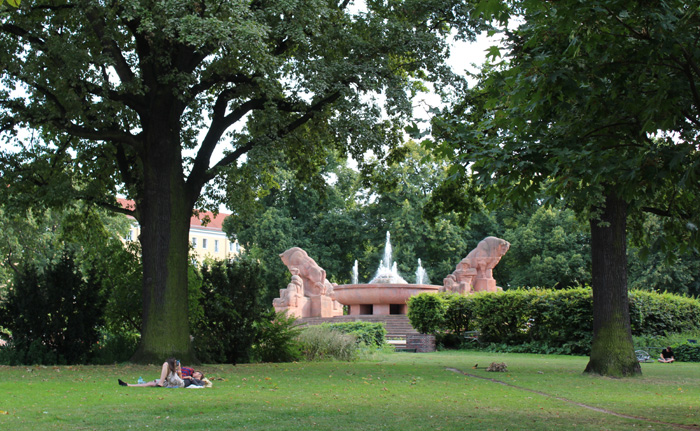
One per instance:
[(207, 238)]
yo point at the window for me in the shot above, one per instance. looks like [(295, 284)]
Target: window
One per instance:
[(216, 245), (194, 242), (204, 243), (238, 248), (129, 236), (230, 247)]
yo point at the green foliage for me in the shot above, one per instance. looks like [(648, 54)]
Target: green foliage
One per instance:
[(547, 321), (36, 236), (142, 97), (115, 348), (529, 347), (367, 333), (563, 319), (653, 344), (446, 315), (123, 275), (34, 353), (549, 247), (458, 312), (537, 113), (426, 312), (276, 339), (502, 317), (594, 102), (232, 311), (652, 267), (658, 314), (53, 316), (324, 343), (340, 221), (686, 352)]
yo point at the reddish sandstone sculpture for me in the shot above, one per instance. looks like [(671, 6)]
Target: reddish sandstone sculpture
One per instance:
[(475, 272), (292, 298), (308, 294)]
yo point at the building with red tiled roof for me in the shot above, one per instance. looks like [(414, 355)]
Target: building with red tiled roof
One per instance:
[(207, 237)]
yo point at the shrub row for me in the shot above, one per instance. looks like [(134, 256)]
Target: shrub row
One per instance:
[(687, 352), (658, 314), (541, 321), (369, 333), (323, 343)]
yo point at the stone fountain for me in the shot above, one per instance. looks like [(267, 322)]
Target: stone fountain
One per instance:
[(309, 294), (386, 293)]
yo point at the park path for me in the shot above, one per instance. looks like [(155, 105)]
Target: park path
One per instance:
[(586, 406)]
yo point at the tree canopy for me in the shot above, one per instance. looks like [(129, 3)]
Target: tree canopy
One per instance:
[(135, 97), (594, 102), (345, 218)]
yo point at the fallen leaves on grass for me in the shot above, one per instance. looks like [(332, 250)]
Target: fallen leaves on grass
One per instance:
[(498, 367)]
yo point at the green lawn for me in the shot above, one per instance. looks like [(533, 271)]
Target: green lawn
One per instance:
[(397, 391)]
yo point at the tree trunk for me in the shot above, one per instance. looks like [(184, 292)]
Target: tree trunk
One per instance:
[(612, 352), (165, 212)]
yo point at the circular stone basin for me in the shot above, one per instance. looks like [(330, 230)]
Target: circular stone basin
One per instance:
[(379, 293)]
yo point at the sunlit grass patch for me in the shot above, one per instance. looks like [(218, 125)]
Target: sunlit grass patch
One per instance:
[(395, 391)]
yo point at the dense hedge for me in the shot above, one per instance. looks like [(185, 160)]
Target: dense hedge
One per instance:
[(541, 320), (662, 313), (687, 352), (53, 315), (369, 333)]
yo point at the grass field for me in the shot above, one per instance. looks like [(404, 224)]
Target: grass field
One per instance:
[(388, 391)]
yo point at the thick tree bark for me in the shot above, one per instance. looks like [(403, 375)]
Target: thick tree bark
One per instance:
[(612, 352), (165, 211)]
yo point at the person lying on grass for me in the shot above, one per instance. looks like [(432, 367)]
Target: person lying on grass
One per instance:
[(667, 355), (196, 379), (170, 376)]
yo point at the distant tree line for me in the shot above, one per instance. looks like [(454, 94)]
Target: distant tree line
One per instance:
[(344, 215), (72, 266)]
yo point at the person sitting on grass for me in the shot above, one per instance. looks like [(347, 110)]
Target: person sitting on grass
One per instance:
[(667, 355), (170, 376)]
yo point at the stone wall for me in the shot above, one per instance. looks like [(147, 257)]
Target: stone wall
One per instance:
[(421, 342)]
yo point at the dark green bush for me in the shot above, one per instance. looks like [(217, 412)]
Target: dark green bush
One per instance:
[(544, 321), (458, 313), (653, 313), (276, 339), (426, 312), (34, 353), (115, 348), (231, 311), (504, 317), (52, 316), (560, 319), (687, 352), (450, 340), (369, 333)]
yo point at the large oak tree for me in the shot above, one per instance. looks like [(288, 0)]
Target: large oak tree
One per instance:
[(135, 97), (595, 102)]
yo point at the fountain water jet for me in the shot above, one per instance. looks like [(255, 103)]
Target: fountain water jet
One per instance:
[(355, 273), (421, 275), (386, 293), (310, 294), (388, 271)]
